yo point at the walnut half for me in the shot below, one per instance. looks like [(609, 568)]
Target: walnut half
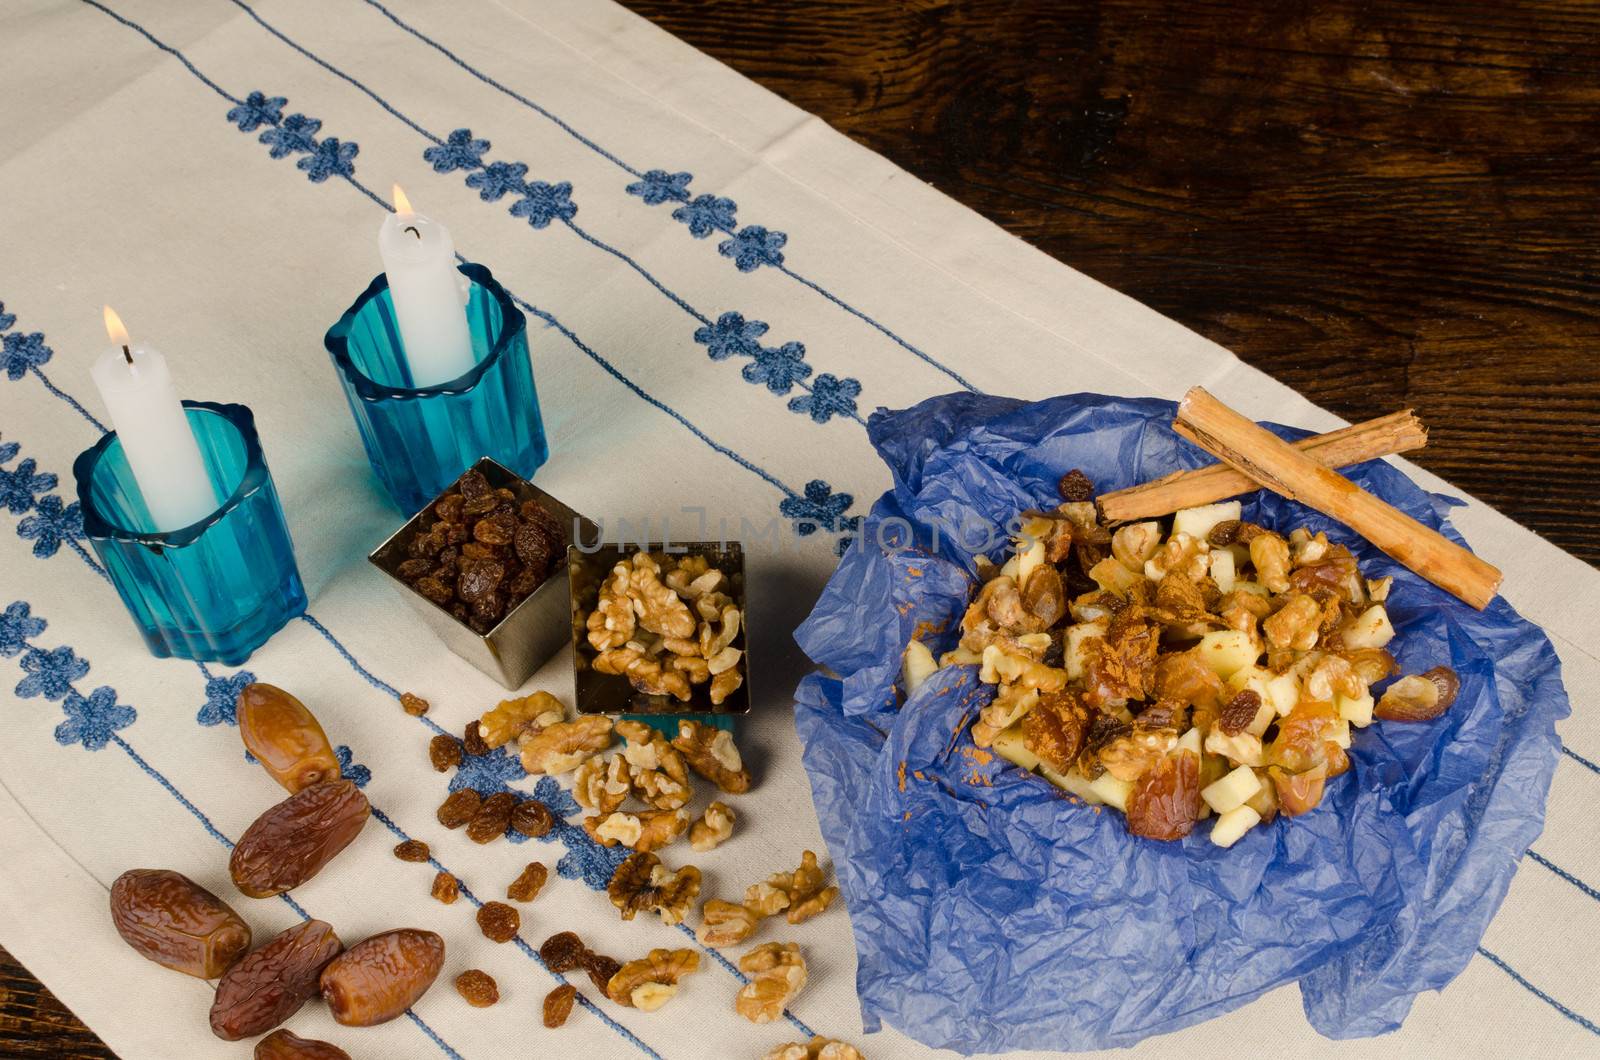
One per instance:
[(713, 828), (565, 746), (777, 973), (651, 981), (642, 883), (816, 1049), (712, 753)]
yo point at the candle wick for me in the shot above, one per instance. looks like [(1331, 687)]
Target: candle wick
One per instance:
[(127, 354), (413, 230)]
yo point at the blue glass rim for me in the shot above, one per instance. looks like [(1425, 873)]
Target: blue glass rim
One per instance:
[(512, 324), (96, 526)]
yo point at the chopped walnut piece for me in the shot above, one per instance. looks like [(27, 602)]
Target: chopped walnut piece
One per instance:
[(777, 973), (712, 753), (724, 685), (727, 923), (1294, 626), (1010, 705), (1127, 757), (765, 899), (614, 828), (642, 883), (1270, 554), (651, 981), (602, 785), (804, 889), (511, 717), (714, 827), (564, 746), (816, 1049)]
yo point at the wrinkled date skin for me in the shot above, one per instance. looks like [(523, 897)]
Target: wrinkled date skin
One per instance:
[(285, 737), (170, 919), (376, 980), (286, 1045), (291, 842), (270, 985)]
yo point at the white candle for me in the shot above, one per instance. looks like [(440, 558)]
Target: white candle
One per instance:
[(428, 294), (150, 422)]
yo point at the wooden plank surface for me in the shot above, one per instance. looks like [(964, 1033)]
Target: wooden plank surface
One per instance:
[(1382, 205)]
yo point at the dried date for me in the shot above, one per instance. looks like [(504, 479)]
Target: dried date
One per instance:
[(493, 818), (558, 1005), (563, 952), (291, 842), (268, 986), (286, 1045), (533, 818), (168, 918), (413, 850), (528, 884), (379, 978), (446, 888), (478, 988), (285, 737), (444, 751), (1165, 801), (459, 807), (499, 922)]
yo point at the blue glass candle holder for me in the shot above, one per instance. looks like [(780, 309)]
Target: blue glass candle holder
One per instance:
[(420, 439), (213, 591)]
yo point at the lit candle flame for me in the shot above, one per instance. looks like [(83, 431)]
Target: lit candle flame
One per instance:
[(114, 328), (402, 205)]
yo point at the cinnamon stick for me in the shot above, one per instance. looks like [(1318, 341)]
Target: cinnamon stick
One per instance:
[(1282, 468), (1398, 432)]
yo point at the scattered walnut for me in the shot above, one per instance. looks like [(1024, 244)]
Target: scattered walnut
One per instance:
[(614, 828), (656, 768), (528, 884), (565, 746), (816, 1049), (643, 883), (712, 753), (713, 828), (413, 704), (506, 721), (724, 685), (651, 981), (726, 923), (446, 888), (777, 973), (765, 899), (1126, 757), (499, 922), (412, 850), (602, 785), (803, 888), (478, 988)]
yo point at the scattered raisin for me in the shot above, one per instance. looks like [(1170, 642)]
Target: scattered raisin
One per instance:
[(444, 751), (412, 850), (499, 922), (526, 887), (493, 818), (473, 742), (413, 704), (168, 918), (459, 808), (446, 888), (1240, 712), (563, 952), (1224, 533), (601, 969), (478, 988), (379, 978), (558, 1005), (1075, 486), (292, 841), (532, 818)]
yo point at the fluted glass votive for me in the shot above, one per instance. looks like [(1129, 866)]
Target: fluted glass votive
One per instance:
[(420, 439), (213, 591)]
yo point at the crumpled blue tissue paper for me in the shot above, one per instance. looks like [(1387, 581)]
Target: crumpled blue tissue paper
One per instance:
[(991, 913)]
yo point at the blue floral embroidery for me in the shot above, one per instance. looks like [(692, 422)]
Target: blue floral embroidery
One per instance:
[(330, 159), (659, 186), (9, 451), (780, 367), (17, 626), (296, 135), (19, 352), (349, 769), (819, 509), (830, 396), (558, 799), (490, 773), (585, 859), (706, 214), (731, 334), (459, 151), (51, 526), (92, 721), (257, 109), (50, 673), (222, 698), (6, 319), (542, 203), (20, 486), (752, 247), (497, 178)]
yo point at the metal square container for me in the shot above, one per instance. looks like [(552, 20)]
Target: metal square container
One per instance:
[(597, 693), (530, 633)]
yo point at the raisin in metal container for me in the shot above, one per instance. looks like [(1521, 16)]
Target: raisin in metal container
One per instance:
[(533, 630), (600, 693)]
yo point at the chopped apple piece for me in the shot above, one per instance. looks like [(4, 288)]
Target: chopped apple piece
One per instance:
[(1371, 629), (1198, 522), (1190, 741), (1030, 557), (1226, 651), (1223, 570), (960, 657), (1112, 792), (1340, 734), (1242, 748), (1072, 654), (1254, 588), (916, 666), (1231, 826), (1113, 577), (1235, 789), (1073, 783), (1010, 746), (1357, 712), (1283, 691)]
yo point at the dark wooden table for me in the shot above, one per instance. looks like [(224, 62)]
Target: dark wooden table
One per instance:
[(1379, 204)]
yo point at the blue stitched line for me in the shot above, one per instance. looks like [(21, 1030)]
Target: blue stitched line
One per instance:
[(335, 71), (90, 560), (853, 311), (68, 398), (155, 774), (1576, 757), (569, 130), (1564, 874), (431, 1033), (526, 102), (1540, 994), (640, 269), (380, 685), (175, 53)]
